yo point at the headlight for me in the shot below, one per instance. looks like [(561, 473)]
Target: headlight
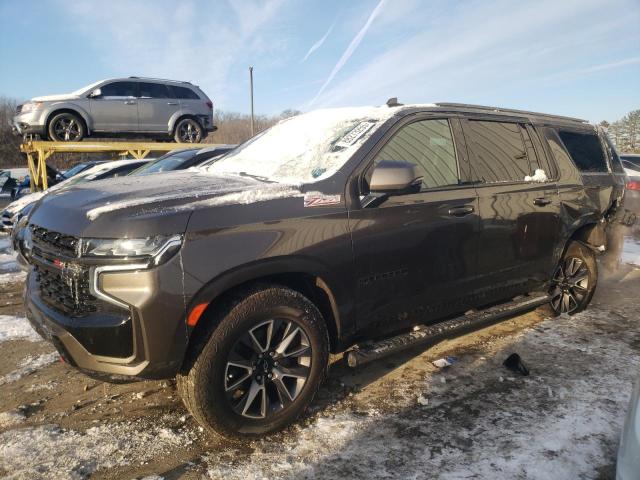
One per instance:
[(160, 247), (30, 107)]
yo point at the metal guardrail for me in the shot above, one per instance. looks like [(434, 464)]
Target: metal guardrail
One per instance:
[(39, 151)]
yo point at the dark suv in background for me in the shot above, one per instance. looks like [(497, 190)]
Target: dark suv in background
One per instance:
[(332, 229)]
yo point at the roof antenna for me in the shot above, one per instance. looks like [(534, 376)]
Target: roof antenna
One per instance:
[(393, 102)]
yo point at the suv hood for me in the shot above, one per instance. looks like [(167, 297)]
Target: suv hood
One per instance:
[(147, 205), (55, 98)]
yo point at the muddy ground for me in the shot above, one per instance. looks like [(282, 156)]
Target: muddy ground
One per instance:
[(400, 417)]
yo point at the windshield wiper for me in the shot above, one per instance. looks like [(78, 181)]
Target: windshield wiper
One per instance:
[(256, 177)]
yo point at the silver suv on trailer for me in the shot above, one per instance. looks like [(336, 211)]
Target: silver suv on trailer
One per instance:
[(120, 106)]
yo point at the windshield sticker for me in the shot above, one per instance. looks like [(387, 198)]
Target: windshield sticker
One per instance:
[(355, 134), (317, 199)]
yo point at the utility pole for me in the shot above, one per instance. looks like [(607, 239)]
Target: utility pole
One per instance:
[(251, 93)]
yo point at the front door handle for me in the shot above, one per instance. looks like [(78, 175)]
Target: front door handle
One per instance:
[(130, 102), (461, 211), (172, 103), (541, 201)]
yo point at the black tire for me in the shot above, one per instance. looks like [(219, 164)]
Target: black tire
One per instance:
[(66, 127), (575, 280), (188, 130), (204, 382)]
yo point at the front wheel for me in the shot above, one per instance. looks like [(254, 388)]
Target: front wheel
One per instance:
[(188, 130), (574, 281), (66, 127), (261, 367)]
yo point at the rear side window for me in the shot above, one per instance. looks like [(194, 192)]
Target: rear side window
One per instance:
[(428, 144), (498, 151), (120, 89), (154, 90), (585, 150), (184, 93)]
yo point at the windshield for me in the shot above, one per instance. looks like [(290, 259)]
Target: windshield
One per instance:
[(75, 170), (170, 161), (91, 86), (305, 148)]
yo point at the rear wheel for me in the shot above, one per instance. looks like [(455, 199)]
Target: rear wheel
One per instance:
[(261, 366), (574, 281), (66, 127), (188, 130)]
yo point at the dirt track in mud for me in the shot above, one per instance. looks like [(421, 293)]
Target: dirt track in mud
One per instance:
[(399, 417)]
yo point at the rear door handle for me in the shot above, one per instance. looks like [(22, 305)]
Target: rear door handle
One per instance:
[(130, 102), (541, 201), (461, 211), (172, 103)]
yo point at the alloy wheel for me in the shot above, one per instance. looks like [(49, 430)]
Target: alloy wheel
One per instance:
[(570, 285), (67, 129), (267, 368), (189, 132)]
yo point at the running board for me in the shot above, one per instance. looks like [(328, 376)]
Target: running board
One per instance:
[(423, 334)]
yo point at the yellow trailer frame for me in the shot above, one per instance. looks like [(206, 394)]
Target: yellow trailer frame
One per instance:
[(39, 151)]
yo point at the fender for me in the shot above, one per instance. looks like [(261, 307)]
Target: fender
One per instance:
[(337, 294), (183, 112), (67, 105)]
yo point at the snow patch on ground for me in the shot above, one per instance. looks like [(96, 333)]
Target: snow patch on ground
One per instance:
[(539, 176), (14, 328), (47, 451), (28, 366), (11, 419), (12, 277)]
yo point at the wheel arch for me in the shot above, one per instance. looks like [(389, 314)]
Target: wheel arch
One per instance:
[(68, 109), (222, 292), (176, 117)]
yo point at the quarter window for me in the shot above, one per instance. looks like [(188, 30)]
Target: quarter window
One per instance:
[(428, 144), (585, 150), (184, 93), (154, 90), (120, 89), (499, 152)]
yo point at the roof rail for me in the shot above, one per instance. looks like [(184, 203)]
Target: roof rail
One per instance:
[(510, 110), (159, 79)]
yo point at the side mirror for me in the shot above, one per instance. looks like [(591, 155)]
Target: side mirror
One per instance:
[(96, 93), (391, 176)]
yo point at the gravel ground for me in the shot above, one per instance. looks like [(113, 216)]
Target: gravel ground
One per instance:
[(401, 417)]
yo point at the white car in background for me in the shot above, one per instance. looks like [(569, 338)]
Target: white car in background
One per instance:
[(116, 168)]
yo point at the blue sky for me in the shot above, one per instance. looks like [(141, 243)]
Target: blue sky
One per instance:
[(572, 57)]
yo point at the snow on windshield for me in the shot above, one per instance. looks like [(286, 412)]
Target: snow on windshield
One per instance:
[(305, 148)]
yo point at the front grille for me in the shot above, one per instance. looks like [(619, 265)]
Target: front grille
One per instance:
[(67, 290), (53, 241)]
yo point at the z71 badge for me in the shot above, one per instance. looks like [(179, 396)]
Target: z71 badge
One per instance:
[(317, 199)]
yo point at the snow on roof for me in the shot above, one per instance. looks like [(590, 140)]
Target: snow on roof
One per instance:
[(307, 147)]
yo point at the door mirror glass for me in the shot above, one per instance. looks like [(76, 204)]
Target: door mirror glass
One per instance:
[(96, 93), (395, 177)]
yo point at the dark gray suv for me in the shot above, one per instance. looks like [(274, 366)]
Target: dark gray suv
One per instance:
[(364, 229), (120, 106)]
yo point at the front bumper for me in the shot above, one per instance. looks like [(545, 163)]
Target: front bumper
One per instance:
[(29, 123), (142, 335)]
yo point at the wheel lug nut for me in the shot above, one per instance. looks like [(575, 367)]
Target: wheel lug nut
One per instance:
[(269, 376), (272, 353)]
